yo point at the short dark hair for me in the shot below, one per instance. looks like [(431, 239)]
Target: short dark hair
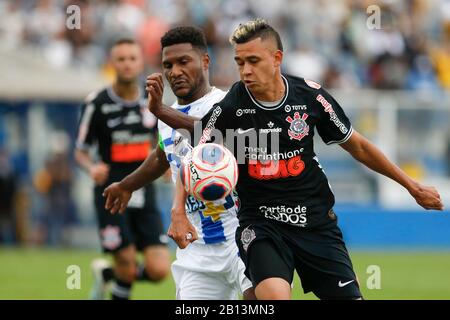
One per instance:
[(258, 28), (120, 41), (186, 34)]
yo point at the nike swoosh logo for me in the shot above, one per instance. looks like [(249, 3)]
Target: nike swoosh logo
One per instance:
[(340, 284), (242, 131)]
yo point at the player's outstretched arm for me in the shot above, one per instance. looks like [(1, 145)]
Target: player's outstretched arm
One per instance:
[(118, 194), (98, 172), (181, 229), (173, 118), (367, 153)]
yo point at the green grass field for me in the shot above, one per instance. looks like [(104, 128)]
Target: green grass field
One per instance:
[(41, 274)]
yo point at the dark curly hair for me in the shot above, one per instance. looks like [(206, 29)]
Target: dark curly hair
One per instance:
[(185, 34)]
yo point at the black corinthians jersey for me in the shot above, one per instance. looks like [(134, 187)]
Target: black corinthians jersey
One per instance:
[(280, 177), (122, 130)]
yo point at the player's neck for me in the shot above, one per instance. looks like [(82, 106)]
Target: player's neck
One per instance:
[(200, 93), (274, 92), (128, 91)]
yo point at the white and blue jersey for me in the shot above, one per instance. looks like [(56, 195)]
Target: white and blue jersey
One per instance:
[(215, 222)]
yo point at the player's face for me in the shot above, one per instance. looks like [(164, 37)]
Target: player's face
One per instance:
[(184, 68), (258, 62), (127, 61)]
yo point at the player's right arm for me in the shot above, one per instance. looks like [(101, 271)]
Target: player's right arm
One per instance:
[(215, 119), (180, 226), (118, 194), (87, 134), (99, 171)]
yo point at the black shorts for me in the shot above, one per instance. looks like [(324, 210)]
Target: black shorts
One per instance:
[(140, 225), (274, 249)]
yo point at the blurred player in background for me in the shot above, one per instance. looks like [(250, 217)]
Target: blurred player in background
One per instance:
[(117, 121), (286, 218), (209, 268)]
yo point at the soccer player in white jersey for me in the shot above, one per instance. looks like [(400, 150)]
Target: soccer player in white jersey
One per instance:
[(210, 267)]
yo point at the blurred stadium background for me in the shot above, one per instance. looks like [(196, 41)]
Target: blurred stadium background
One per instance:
[(394, 82)]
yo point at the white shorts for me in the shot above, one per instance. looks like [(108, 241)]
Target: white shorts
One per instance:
[(209, 272)]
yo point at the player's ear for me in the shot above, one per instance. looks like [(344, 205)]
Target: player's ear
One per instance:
[(205, 61), (278, 58)]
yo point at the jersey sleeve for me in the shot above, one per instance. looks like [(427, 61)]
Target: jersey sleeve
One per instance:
[(86, 127), (333, 125), (220, 117), (160, 142)]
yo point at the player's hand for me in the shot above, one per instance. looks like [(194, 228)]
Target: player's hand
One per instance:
[(155, 88), (117, 198), (427, 197), (181, 229), (99, 172)]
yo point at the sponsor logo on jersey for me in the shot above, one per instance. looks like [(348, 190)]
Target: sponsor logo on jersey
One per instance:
[(260, 153), (210, 125), (333, 116), (111, 107), (130, 152), (177, 140), (313, 84), (111, 123), (194, 205), (129, 147), (132, 118), (289, 108), (292, 215), (127, 136), (240, 112), (298, 128), (242, 131), (267, 170), (247, 236), (271, 129), (213, 210)]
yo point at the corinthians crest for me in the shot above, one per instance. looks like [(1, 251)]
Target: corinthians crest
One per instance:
[(247, 236), (298, 128)]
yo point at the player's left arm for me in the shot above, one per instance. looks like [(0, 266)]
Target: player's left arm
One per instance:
[(367, 153)]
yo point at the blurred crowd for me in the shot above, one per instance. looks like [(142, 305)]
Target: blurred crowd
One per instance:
[(330, 41)]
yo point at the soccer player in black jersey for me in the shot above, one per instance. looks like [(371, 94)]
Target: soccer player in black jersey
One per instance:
[(286, 219), (117, 121)]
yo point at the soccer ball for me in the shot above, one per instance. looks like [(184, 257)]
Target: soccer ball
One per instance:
[(211, 173)]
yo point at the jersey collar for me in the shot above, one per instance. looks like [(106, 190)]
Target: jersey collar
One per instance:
[(114, 97), (181, 107)]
